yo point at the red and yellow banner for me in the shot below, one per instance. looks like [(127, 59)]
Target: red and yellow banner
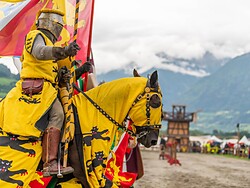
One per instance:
[(17, 18), (114, 170)]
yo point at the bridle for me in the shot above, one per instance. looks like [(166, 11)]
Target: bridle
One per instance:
[(145, 129)]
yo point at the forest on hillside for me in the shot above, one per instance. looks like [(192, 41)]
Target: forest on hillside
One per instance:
[(7, 80)]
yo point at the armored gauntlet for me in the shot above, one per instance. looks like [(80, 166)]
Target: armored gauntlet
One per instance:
[(82, 69), (68, 51)]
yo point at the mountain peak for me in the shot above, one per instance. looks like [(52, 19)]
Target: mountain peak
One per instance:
[(198, 67)]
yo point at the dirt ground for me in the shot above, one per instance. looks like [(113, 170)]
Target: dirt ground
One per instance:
[(196, 171)]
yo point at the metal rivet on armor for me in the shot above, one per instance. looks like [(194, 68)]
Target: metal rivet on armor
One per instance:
[(147, 89)]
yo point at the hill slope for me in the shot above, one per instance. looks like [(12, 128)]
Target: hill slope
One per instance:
[(224, 95), (173, 85), (7, 80)]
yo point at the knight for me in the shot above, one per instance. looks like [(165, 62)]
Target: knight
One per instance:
[(39, 66)]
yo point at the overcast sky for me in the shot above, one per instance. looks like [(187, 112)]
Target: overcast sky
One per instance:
[(134, 30)]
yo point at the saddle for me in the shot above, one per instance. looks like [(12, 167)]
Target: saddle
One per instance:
[(32, 86)]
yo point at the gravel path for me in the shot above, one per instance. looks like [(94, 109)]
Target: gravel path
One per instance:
[(196, 171)]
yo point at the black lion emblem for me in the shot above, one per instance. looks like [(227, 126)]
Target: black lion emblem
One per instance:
[(94, 134), (5, 173)]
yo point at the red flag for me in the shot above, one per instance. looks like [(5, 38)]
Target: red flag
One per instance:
[(84, 31), (84, 36), (16, 20), (15, 23), (114, 170)]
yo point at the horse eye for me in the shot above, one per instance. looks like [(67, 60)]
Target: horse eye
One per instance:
[(155, 101)]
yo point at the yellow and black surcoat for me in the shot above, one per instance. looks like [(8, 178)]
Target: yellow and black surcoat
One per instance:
[(24, 115)]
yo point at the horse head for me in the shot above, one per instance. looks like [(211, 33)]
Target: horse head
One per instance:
[(146, 112)]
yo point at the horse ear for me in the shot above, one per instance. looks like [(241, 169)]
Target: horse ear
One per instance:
[(135, 73), (154, 80)]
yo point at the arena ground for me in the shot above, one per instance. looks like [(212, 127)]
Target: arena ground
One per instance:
[(196, 171)]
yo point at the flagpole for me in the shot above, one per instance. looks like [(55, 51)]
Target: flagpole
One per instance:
[(90, 30), (69, 113), (89, 44)]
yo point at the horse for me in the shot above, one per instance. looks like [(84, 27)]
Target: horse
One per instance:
[(99, 116)]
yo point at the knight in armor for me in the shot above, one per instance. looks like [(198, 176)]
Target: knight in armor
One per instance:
[(39, 64)]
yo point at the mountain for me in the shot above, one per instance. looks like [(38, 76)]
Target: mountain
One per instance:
[(223, 96), (220, 89), (7, 80), (198, 67), (176, 75), (5, 72), (173, 85)]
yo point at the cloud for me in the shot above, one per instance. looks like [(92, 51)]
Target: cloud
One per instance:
[(134, 31)]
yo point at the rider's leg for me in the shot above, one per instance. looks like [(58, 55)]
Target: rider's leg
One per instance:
[(51, 139)]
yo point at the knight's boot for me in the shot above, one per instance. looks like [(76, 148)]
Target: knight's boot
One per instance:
[(51, 139)]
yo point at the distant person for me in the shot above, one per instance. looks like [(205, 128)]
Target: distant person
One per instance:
[(248, 152), (236, 149), (162, 148)]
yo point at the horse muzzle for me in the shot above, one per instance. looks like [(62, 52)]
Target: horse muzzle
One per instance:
[(149, 139)]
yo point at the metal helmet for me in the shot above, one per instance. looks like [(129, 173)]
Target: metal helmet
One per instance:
[(51, 20)]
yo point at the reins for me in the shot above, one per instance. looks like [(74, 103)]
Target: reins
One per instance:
[(130, 132)]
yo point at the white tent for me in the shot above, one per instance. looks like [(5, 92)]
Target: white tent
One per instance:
[(216, 139), (244, 140), (201, 139), (233, 141), (224, 142)]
